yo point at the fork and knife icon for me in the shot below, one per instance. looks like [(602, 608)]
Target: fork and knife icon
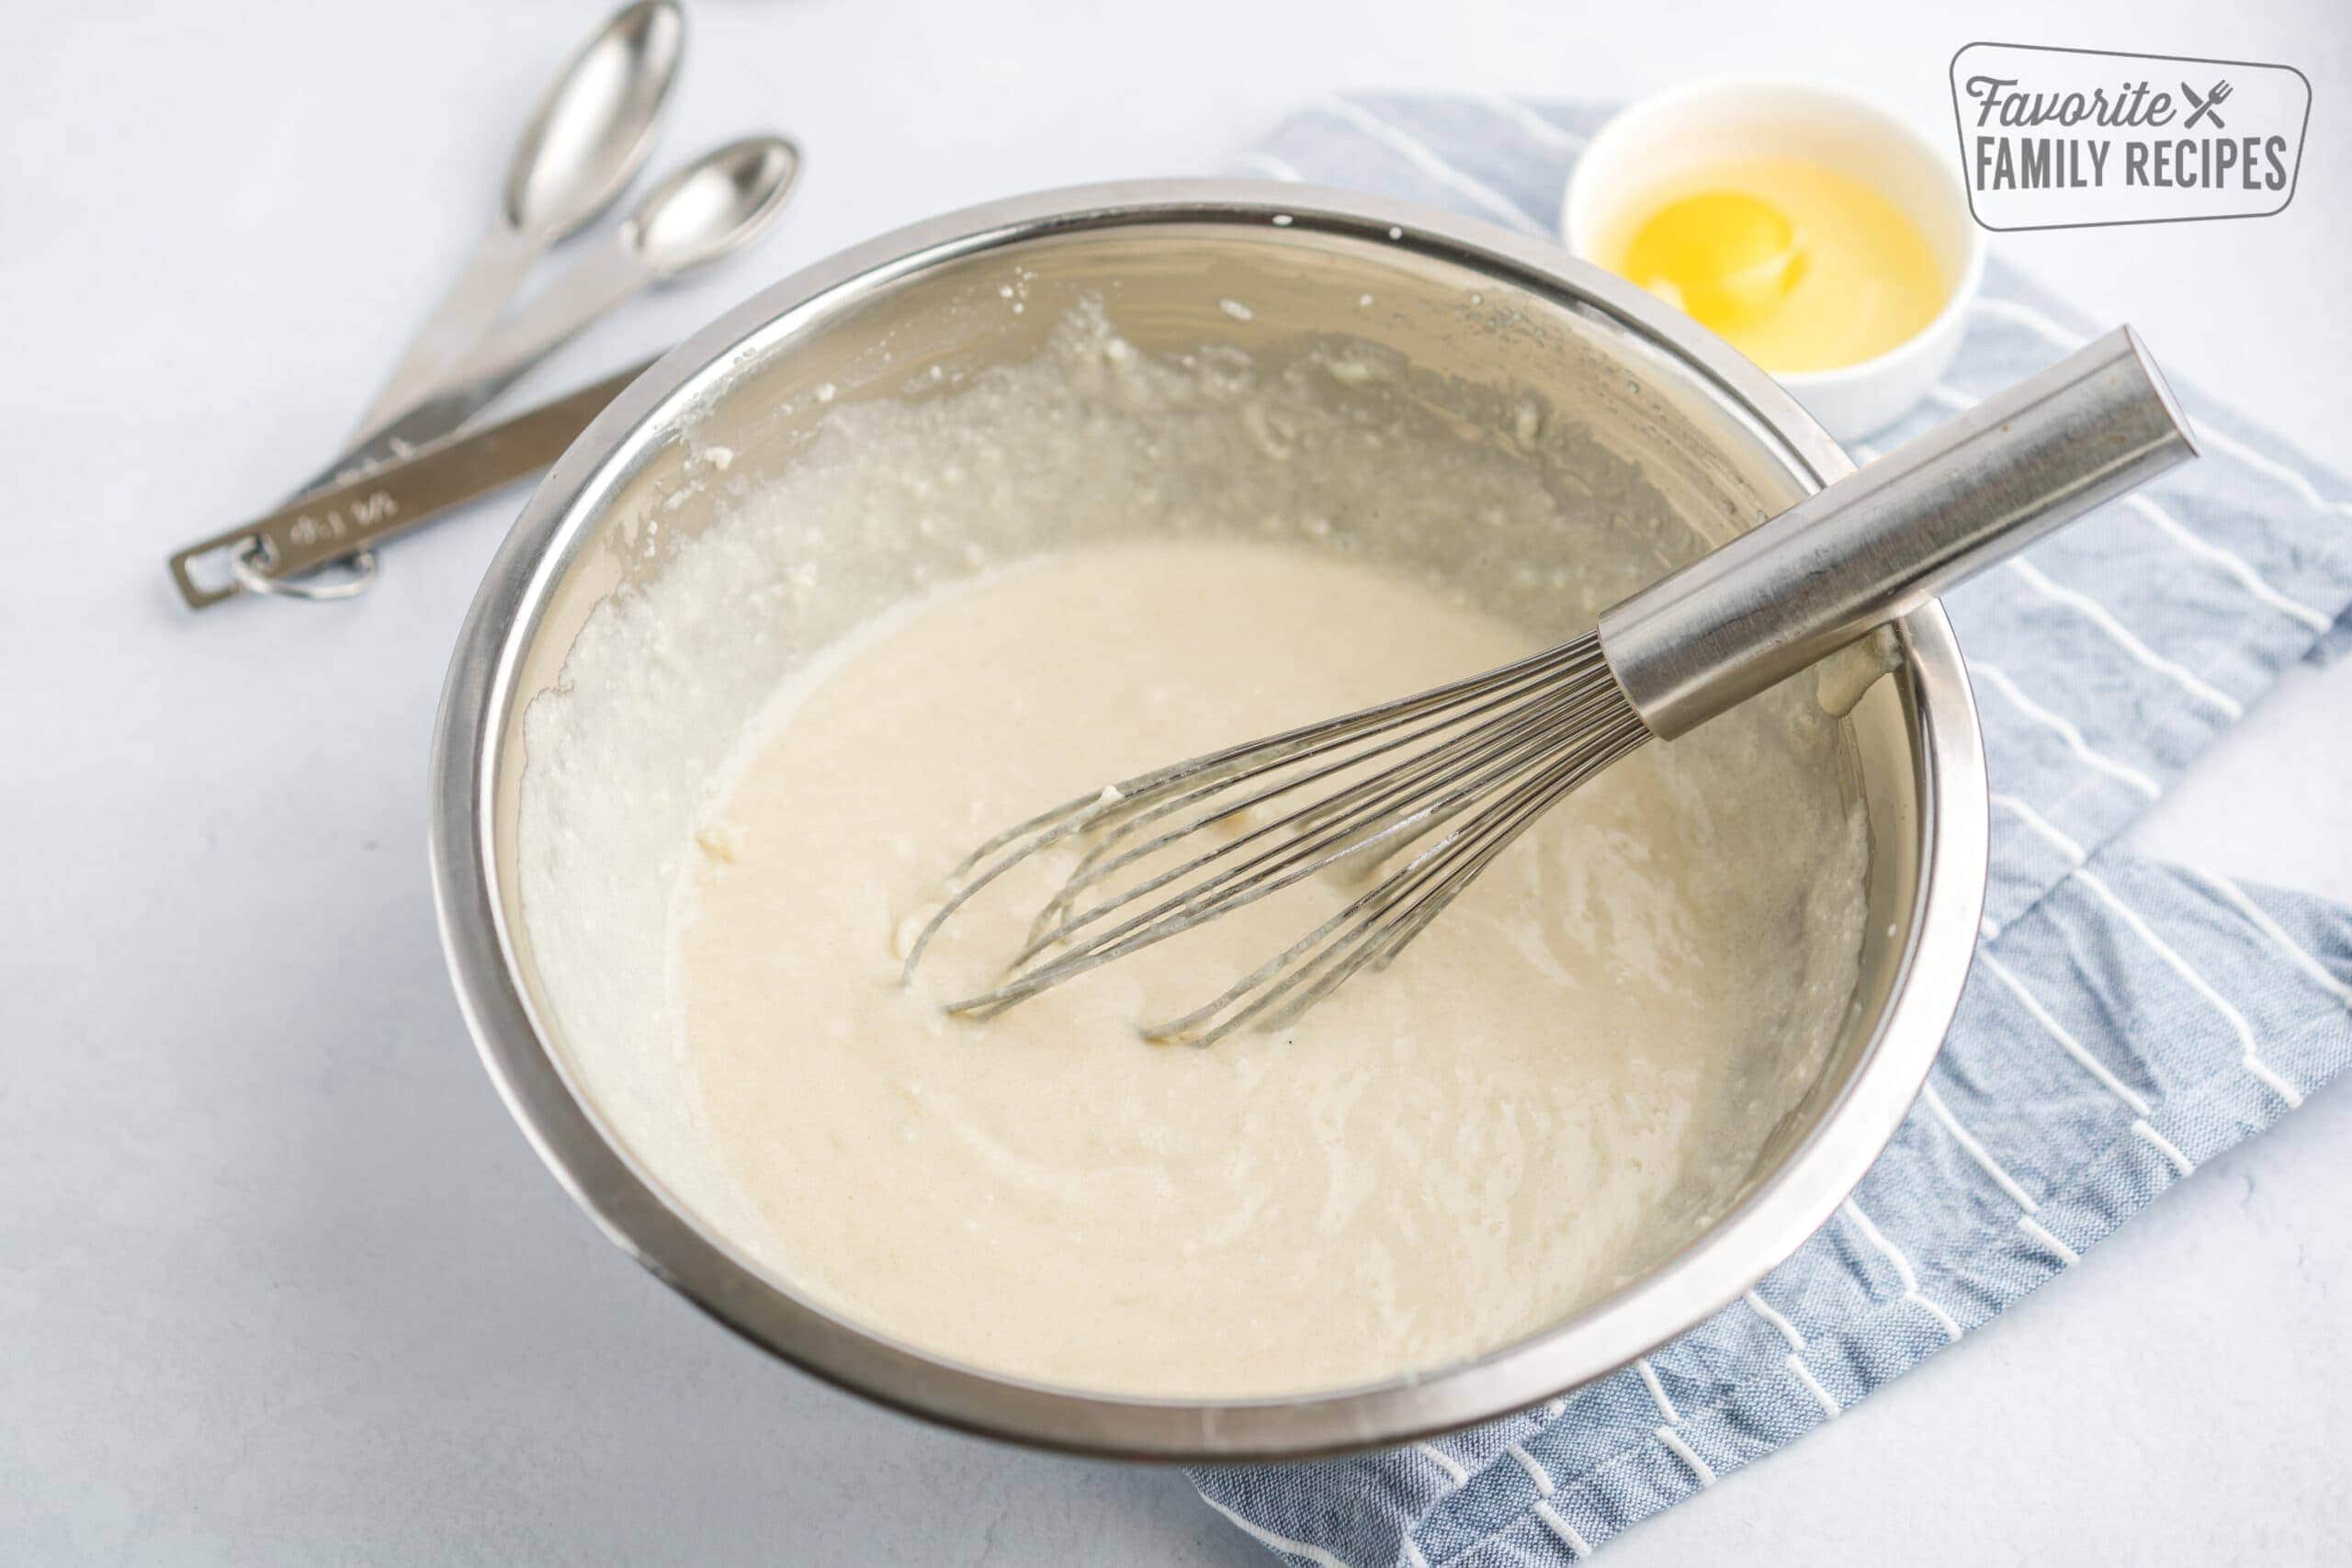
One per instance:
[(2206, 107)]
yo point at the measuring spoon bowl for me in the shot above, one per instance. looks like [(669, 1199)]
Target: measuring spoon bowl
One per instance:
[(715, 206), (594, 127)]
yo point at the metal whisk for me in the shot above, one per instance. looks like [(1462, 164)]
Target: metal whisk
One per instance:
[(1436, 786)]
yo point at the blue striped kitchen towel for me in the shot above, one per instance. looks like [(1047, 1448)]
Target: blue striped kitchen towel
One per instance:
[(2125, 1020)]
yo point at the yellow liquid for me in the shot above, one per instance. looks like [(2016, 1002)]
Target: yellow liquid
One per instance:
[(1798, 267)]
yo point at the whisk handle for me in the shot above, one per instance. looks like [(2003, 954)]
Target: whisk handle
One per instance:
[(1888, 537)]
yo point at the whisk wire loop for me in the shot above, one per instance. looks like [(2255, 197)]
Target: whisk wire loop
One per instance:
[(1371, 931), (1472, 761), (1112, 806), (1395, 806), (1106, 857)]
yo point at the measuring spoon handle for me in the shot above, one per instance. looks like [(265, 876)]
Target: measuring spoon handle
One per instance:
[(333, 523)]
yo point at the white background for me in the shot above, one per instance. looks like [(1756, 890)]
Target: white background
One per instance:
[(278, 1280)]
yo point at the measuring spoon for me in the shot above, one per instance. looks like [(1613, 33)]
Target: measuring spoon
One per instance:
[(590, 134)]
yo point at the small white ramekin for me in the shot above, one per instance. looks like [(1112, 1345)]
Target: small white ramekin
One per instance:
[(1725, 118)]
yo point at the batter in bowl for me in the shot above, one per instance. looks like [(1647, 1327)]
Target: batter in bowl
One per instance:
[(1556, 1087)]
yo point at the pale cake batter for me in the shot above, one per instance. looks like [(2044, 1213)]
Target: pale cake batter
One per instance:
[(1559, 1084)]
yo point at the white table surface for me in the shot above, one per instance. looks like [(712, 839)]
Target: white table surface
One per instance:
[(278, 1280)]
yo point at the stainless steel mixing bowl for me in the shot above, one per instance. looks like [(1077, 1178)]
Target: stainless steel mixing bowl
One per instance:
[(1488, 312)]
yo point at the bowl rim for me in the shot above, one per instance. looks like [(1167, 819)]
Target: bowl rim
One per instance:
[(1679, 99), (633, 1208)]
